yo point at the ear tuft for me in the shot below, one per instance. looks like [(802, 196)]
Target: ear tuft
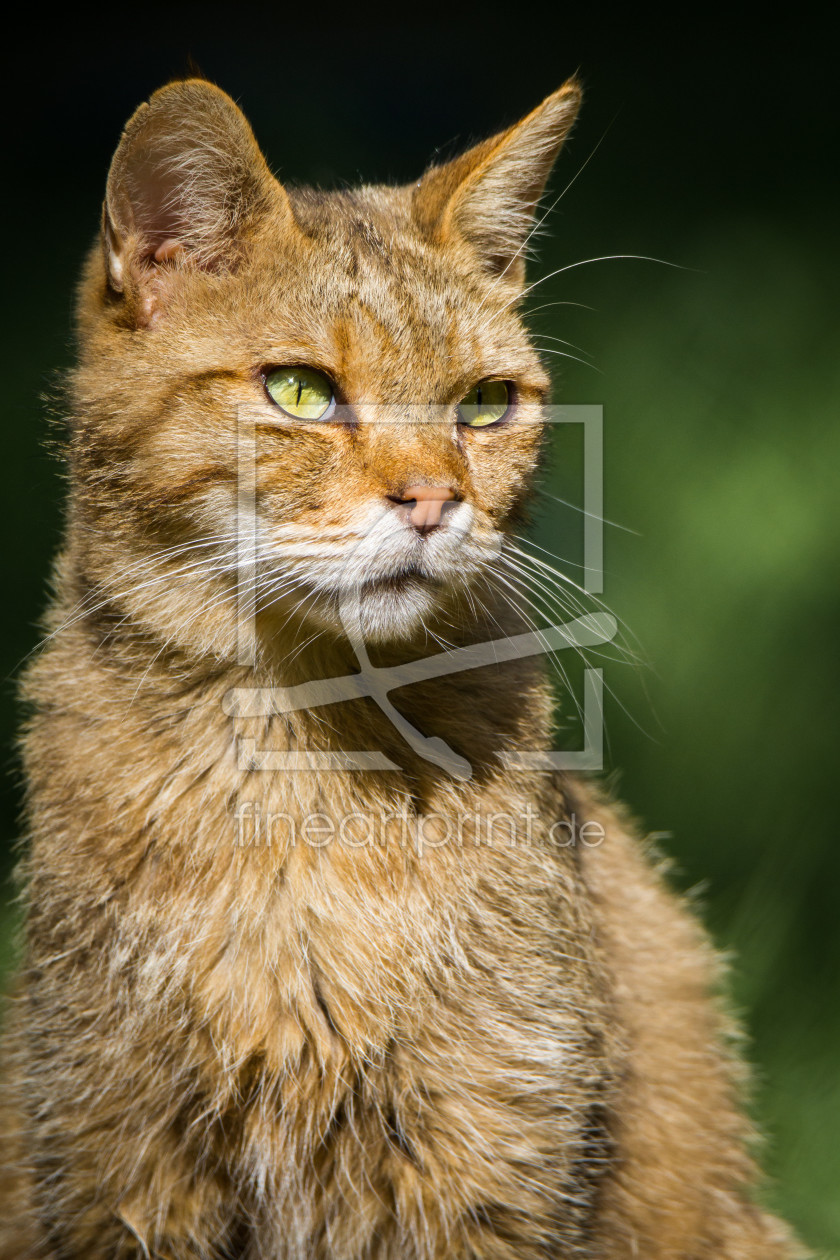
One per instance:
[(185, 183), (488, 196)]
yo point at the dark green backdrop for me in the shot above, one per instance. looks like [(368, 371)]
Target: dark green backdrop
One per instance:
[(718, 152)]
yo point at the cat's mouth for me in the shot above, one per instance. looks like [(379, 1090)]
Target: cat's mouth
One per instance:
[(397, 583), (391, 581)]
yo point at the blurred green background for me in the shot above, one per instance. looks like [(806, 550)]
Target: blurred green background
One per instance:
[(712, 145)]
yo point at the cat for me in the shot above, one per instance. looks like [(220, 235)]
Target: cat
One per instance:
[(250, 1023)]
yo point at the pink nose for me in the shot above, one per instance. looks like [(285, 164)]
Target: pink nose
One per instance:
[(428, 505)]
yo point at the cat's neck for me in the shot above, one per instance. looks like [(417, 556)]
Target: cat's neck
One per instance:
[(271, 700)]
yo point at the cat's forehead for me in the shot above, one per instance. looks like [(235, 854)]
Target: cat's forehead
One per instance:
[(365, 283), (368, 245)]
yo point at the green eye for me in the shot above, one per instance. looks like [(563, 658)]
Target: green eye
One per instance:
[(487, 402), (301, 392)]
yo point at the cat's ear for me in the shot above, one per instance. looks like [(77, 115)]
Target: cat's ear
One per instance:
[(187, 184), (487, 197)]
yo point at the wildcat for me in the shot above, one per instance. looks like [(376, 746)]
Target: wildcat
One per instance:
[(243, 1028)]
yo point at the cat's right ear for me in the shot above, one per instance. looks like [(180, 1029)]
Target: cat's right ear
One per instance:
[(187, 184)]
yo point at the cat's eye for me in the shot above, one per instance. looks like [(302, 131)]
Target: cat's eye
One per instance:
[(486, 403), (302, 393)]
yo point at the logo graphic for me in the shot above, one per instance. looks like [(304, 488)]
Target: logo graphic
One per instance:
[(588, 630)]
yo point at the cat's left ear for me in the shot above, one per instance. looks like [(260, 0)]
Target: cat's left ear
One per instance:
[(188, 184), (487, 197)]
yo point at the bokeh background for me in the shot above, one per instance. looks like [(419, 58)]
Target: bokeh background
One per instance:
[(710, 142)]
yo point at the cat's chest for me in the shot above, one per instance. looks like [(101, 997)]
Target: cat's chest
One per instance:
[(309, 917), (305, 953)]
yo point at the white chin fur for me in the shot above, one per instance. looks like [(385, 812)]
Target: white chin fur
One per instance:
[(393, 613)]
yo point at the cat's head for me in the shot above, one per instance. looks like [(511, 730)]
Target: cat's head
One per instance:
[(330, 393)]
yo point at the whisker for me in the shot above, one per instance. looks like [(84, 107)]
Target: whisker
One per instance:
[(602, 520), (629, 658), (550, 652), (550, 572), (87, 608), (565, 355), (562, 341), (586, 262), (552, 600)]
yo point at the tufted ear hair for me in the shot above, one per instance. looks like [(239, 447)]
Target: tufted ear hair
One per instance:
[(186, 186), (487, 197)]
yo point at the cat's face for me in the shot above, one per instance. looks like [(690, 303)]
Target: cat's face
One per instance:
[(281, 385)]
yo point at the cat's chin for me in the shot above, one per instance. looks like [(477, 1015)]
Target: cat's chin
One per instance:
[(387, 610), (395, 610)]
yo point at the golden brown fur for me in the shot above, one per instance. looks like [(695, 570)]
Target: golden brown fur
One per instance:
[(226, 1044)]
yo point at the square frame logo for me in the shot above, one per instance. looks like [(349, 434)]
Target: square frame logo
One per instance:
[(588, 630)]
